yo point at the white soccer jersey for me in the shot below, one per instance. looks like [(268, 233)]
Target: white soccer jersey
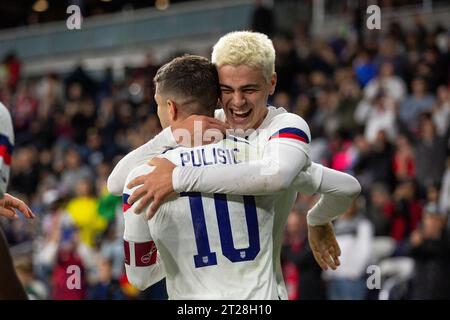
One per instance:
[(213, 246), (6, 147), (277, 124)]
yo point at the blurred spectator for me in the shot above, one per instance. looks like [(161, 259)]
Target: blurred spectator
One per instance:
[(387, 82), (404, 162), (67, 256), (349, 97), (25, 174), (302, 274), (13, 67), (354, 234), (263, 18), (407, 213), (374, 162), (441, 110), (380, 208), (430, 248), (35, 289), (365, 68), (419, 101), (380, 116), (83, 209), (107, 288), (74, 171), (431, 153)]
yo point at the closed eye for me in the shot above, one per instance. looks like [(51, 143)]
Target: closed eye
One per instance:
[(227, 91)]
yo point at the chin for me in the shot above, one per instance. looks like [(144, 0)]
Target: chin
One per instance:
[(240, 126)]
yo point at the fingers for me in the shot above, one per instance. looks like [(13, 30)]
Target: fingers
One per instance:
[(136, 181), (143, 203), (26, 211), (12, 203), (337, 248), (137, 194), (323, 265), (156, 161), (330, 258), (154, 207), (327, 258), (161, 162), (8, 213)]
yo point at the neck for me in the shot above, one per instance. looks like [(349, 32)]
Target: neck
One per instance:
[(258, 124)]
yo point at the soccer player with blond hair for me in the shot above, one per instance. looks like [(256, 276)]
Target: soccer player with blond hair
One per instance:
[(246, 67)]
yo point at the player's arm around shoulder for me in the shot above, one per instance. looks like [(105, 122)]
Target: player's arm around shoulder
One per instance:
[(160, 143), (142, 264)]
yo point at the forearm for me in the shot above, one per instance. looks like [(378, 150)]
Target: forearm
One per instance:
[(160, 143), (273, 173), (10, 286), (338, 190)]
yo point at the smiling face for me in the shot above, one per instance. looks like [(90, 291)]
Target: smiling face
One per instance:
[(244, 95)]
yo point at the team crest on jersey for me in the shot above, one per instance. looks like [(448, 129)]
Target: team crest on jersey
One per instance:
[(147, 258), (243, 254), (205, 259)]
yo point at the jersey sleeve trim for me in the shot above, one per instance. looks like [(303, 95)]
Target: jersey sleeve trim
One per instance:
[(291, 133), (6, 149)]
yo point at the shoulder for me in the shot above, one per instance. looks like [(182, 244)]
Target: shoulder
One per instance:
[(290, 123), (6, 127)]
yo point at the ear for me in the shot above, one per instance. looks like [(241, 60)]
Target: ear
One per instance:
[(172, 109), (273, 83)]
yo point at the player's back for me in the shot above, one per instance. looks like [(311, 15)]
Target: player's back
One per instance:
[(215, 246)]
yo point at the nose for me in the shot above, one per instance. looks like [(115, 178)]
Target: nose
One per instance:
[(238, 99)]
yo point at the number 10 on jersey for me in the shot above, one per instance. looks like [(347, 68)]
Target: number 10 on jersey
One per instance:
[(205, 256)]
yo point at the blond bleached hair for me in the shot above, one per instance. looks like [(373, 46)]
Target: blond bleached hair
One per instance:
[(253, 49)]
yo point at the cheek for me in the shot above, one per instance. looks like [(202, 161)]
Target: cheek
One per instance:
[(225, 100)]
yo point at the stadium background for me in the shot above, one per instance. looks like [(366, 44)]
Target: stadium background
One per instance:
[(377, 102)]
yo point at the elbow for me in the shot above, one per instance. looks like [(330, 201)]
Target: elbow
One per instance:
[(112, 186), (137, 282), (353, 188), (280, 183), (349, 186)]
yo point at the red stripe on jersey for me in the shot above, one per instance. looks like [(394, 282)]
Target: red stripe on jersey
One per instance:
[(125, 207), (145, 253), (125, 204), (5, 154), (126, 251), (290, 136)]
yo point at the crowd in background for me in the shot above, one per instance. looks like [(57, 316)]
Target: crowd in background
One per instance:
[(378, 106)]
